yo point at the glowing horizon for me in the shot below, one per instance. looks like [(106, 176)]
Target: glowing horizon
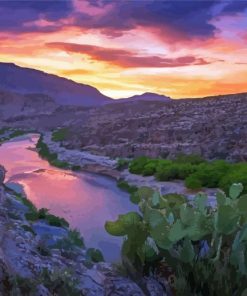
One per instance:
[(179, 49)]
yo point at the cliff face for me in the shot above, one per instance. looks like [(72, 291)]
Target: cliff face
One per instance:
[(214, 127)]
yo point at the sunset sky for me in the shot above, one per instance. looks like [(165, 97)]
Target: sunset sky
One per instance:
[(122, 47)]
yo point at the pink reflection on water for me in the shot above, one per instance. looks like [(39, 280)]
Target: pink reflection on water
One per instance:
[(85, 200)]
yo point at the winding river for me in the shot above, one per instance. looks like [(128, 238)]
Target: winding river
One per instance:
[(85, 200)]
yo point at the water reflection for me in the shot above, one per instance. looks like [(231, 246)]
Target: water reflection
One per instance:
[(85, 200)]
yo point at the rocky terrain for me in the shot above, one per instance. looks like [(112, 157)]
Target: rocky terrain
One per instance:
[(213, 127)]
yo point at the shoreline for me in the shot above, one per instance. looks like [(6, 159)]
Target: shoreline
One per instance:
[(93, 164)]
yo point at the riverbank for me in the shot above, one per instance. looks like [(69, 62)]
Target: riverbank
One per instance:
[(46, 259), (108, 167)]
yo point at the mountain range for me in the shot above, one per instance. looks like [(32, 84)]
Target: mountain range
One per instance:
[(64, 91)]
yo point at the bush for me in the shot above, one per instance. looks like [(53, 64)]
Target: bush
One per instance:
[(137, 165), (193, 182), (95, 255), (238, 173), (211, 173), (150, 168), (122, 163), (75, 238), (32, 216), (76, 168), (189, 159), (126, 187), (56, 221), (60, 164), (60, 134)]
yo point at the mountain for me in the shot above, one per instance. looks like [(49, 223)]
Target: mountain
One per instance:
[(147, 96), (64, 91), (14, 104)]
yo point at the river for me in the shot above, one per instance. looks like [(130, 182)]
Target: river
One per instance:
[(85, 200)]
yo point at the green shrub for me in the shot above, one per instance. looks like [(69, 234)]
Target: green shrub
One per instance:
[(122, 163), (76, 239), (211, 173), (32, 216), (150, 168), (42, 213), (56, 221), (204, 248), (189, 159), (75, 168), (95, 255), (28, 229), (193, 182), (238, 173), (60, 134), (60, 164), (126, 187), (137, 165)]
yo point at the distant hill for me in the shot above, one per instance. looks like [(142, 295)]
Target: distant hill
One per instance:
[(13, 104), (64, 91), (147, 96)]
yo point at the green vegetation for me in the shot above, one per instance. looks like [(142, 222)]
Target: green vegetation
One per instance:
[(58, 282), (122, 163), (75, 168), (95, 255), (194, 170), (204, 248), (43, 214), (28, 229), (69, 244), (45, 153), (9, 133), (126, 187), (60, 134)]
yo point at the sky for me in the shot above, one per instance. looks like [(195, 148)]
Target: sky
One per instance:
[(180, 49)]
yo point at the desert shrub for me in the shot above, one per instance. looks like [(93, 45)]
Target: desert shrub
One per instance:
[(42, 213), (137, 165), (76, 238), (16, 133), (60, 134), (56, 221), (32, 216), (28, 229), (75, 168), (204, 248), (59, 164), (94, 255), (150, 167), (126, 187), (237, 173), (193, 182), (211, 173), (122, 163)]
